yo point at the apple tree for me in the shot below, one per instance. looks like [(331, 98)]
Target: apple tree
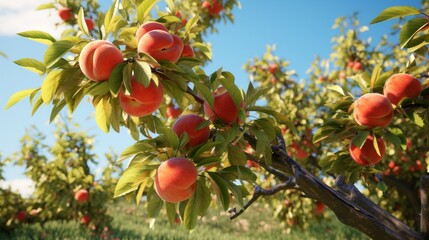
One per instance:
[(202, 140)]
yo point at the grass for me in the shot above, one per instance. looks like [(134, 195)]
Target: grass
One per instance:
[(131, 222)]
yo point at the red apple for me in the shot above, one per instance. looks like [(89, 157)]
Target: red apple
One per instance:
[(89, 24), (372, 110), (175, 179), (367, 155), (273, 68), (98, 59), (142, 101), (85, 220), (357, 66), (81, 195), (187, 51), (213, 6), (319, 208), (400, 86), (223, 110), (65, 14), (189, 123), (172, 112), (149, 26), (21, 216), (161, 45)]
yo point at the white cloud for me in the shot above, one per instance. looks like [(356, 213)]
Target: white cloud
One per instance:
[(23, 186), (20, 15)]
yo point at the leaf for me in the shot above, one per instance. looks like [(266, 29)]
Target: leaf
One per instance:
[(103, 110), (171, 212), (205, 92), (227, 81), (154, 204), (236, 156), (140, 146), (81, 22), (18, 96), (375, 144), (395, 12), (142, 72), (238, 172), (375, 74), (360, 139), (38, 36), (143, 10), (202, 197), (170, 137), (141, 189), (115, 78), (410, 29), (50, 85), (109, 16), (126, 182), (223, 194), (323, 133), (45, 6), (190, 216), (32, 65), (56, 109), (55, 52), (337, 89)]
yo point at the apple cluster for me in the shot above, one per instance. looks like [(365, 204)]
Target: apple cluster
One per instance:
[(66, 14), (376, 110)]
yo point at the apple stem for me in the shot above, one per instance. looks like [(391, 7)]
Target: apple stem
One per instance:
[(195, 96)]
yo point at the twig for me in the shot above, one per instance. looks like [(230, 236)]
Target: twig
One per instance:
[(259, 191)]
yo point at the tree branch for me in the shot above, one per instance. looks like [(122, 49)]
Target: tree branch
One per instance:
[(259, 191), (424, 201)]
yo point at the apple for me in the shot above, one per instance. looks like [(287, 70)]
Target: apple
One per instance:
[(89, 24), (142, 101), (223, 110), (21, 216), (367, 155), (391, 164), (98, 59), (400, 86), (251, 164), (175, 179), (296, 149), (161, 45), (65, 14), (372, 110), (81, 195), (214, 7), (189, 123), (172, 112), (34, 212), (357, 66), (273, 68), (319, 208), (187, 51), (85, 220), (149, 26), (179, 15)]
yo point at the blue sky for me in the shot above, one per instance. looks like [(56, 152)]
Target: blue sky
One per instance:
[(299, 29)]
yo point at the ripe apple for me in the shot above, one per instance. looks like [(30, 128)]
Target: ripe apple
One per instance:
[(213, 6), (172, 112), (175, 179), (224, 109), (187, 51), (65, 14), (391, 164), (21, 216), (296, 149), (400, 86), (89, 24), (161, 45), (357, 66), (319, 208), (142, 101), (189, 123), (367, 155), (179, 15), (81, 195), (98, 58), (273, 68), (372, 110), (149, 26), (85, 220)]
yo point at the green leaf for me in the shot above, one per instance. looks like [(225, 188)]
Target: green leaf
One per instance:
[(205, 91), (323, 133), (115, 78), (57, 109), (191, 23), (360, 139), (170, 137), (375, 144), (18, 96), (109, 16), (336, 88), (227, 81), (223, 194), (45, 6), (103, 110), (236, 156), (50, 85), (395, 12), (410, 29), (415, 117), (238, 172), (141, 189), (32, 65), (126, 184), (142, 72), (81, 22), (56, 51), (143, 10), (140, 146), (375, 74), (382, 186), (202, 197), (38, 36), (154, 204), (171, 212), (190, 215)]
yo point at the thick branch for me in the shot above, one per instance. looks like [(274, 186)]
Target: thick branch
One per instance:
[(354, 195), (424, 200)]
